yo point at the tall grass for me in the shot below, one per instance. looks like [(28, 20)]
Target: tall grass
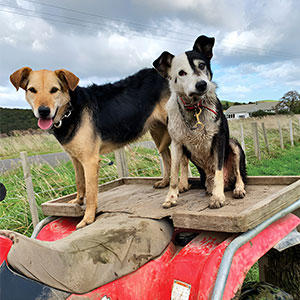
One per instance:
[(10, 147)]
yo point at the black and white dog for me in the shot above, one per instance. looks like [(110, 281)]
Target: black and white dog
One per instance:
[(198, 126)]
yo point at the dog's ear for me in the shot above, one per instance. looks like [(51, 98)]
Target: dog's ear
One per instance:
[(68, 78), (163, 64), (204, 45), (20, 78)]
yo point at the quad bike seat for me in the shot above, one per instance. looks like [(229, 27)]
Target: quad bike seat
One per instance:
[(116, 244)]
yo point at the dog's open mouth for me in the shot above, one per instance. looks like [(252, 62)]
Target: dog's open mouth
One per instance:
[(45, 123)]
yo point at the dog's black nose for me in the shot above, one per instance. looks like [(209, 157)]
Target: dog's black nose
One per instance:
[(201, 86), (44, 111)]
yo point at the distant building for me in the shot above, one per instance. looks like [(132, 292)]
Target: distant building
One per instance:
[(246, 110)]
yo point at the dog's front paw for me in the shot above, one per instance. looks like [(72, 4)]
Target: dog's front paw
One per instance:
[(239, 193), (85, 221), (183, 187), (78, 200), (217, 201), (171, 199), (161, 184)]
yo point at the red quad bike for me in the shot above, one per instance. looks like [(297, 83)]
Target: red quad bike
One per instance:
[(148, 258)]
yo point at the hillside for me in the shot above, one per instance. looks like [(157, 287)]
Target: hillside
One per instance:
[(16, 119), (23, 119)]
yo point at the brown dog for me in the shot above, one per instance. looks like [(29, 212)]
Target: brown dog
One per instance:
[(98, 119)]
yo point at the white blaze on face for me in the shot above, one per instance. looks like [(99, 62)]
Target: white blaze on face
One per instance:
[(184, 79)]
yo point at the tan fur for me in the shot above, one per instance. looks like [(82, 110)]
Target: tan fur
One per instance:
[(86, 146)]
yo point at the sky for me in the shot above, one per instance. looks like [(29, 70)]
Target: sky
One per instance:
[(256, 53)]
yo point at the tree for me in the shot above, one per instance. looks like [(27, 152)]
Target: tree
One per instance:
[(226, 105), (290, 102)]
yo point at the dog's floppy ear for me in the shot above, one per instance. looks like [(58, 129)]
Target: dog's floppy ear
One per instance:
[(204, 45), (20, 77), (163, 64), (68, 78)]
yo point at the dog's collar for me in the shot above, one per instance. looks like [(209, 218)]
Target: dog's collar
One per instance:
[(67, 114), (196, 106)]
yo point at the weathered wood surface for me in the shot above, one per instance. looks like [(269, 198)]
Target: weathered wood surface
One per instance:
[(266, 195), (29, 188)]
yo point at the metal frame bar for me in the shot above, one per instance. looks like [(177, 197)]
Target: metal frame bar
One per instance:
[(41, 224), (238, 242)]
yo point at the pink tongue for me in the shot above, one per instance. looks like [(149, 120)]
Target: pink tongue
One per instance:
[(45, 123)]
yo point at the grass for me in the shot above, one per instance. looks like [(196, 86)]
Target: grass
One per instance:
[(33, 144)]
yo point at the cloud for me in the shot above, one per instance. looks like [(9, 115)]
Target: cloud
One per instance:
[(256, 52)]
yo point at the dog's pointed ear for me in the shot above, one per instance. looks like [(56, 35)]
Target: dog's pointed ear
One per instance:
[(20, 78), (204, 45), (163, 64), (68, 78)]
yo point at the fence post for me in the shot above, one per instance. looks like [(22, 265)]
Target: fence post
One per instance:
[(291, 133), (29, 188), (242, 138), (280, 135), (256, 140), (265, 137), (121, 162)]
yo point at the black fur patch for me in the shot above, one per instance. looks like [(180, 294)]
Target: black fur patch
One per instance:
[(192, 55), (119, 110)]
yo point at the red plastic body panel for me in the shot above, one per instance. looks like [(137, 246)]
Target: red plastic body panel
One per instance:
[(5, 245), (58, 229), (196, 264)]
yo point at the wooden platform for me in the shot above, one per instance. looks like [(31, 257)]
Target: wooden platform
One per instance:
[(266, 195)]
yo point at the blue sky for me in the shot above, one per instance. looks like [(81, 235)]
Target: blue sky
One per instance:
[(256, 54)]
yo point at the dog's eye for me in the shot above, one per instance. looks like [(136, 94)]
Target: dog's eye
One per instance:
[(181, 73), (53, 90), (201, 66), (32, 90)]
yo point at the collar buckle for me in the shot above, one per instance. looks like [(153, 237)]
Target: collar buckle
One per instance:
[(66, 115)]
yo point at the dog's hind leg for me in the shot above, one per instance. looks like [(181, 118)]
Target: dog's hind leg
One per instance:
[(239, 188), (91, 169), (177, 153), (80, 181), (158, 134)]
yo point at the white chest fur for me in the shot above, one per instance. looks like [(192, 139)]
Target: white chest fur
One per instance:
[(198, 141)]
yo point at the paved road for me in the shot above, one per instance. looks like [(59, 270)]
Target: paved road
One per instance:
[(52, 159)]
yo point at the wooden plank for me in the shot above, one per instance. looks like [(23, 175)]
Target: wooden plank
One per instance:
[(271, 180), (29, 188), (62, 209), (266, 195), (252, 180), (54, 207), (270, 206)]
